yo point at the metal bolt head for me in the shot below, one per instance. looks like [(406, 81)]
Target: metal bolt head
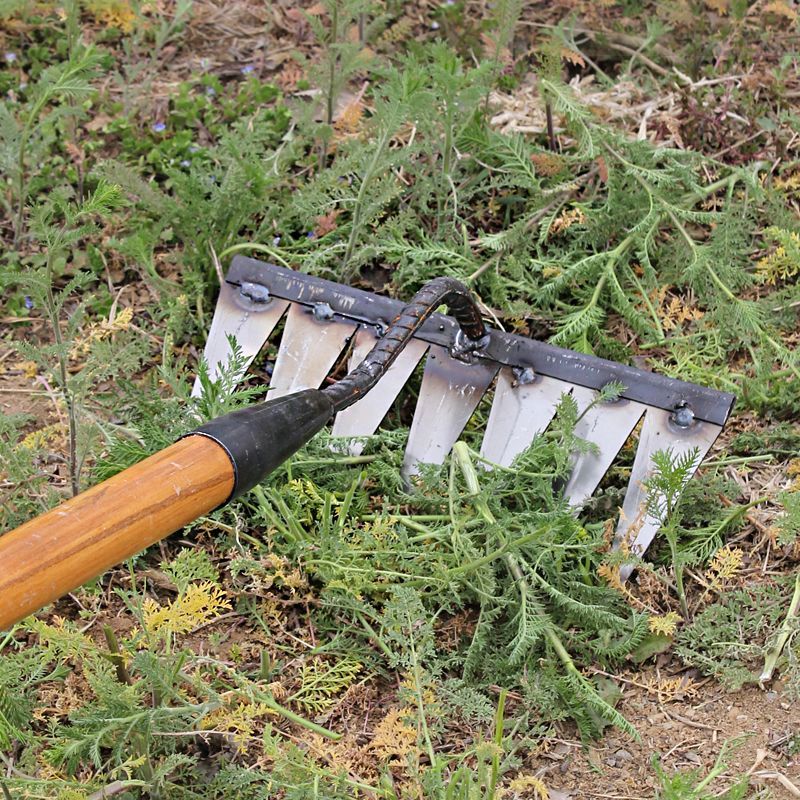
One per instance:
[(523, 376), (683, 416), (255, 293), (322, 312)]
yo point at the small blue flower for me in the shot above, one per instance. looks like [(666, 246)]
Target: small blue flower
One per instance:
[(28, 302), (158, 127), (434, 26), (247, 69), (211, 91), (10, 58), (276, 241), (193, 148), (186, 163), (310, 235)]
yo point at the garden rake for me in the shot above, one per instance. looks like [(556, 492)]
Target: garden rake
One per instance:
[(58, 551)]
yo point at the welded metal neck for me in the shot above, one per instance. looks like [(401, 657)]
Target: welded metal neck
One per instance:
[(440, 291)]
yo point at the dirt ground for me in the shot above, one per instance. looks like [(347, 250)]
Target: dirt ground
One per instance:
[(753, 725)]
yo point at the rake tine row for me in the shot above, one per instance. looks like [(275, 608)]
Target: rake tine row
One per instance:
[(323, 318)]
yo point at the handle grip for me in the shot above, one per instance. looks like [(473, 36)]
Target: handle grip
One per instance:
[(55, 553)]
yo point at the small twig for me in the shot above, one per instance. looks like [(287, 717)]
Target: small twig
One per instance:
[(117, 787), (551, 136), (782, 780), (690, 722)]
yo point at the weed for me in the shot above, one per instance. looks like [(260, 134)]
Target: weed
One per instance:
[(693, 786), (448, 622), (28, 134)]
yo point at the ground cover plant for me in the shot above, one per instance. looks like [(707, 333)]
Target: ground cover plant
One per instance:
[(618, 178)]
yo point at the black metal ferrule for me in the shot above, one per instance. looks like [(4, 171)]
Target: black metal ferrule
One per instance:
[(261, 437)]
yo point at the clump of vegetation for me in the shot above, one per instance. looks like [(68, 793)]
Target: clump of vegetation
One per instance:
[(339, 633)]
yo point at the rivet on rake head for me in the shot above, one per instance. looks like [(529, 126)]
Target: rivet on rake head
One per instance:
[(523, 376), (322, 312), (465, 349), (255, 293), (682, 416)]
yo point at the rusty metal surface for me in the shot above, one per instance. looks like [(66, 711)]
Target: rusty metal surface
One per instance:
[(250, 323), (308, 350), (519, 412), (607, 426), (658, 433), (578, 369), (364, 417), (471, 337), (449, 393)]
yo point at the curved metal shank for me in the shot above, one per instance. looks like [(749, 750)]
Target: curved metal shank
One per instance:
[(439, 291)]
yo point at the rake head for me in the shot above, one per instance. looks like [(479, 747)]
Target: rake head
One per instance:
[(529, 378)]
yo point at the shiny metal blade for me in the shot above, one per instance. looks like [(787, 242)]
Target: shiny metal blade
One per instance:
[(659, 432), (518, 413), (308, 350), (606, 425), (251, 324), (449, 393), (363, 417)]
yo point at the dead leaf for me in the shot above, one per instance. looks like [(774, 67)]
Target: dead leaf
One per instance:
[(326, 223), (572, 57), (98, 123), (75, 152), (719, 6), (289, 76), (780, 8), (602, 168)]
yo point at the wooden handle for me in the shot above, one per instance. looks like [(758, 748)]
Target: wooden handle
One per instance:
[(55, 553)]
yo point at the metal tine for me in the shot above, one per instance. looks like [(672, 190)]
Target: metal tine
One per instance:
[(308, 350), (449, 393), (519, 412), (250, 325), (659, 432), (364, 417), (607, 425)]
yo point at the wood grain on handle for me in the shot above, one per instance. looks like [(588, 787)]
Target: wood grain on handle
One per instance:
[(55, 553)]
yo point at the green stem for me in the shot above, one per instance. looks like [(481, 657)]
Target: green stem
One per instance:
[(261, 248), (298, 720), (375, 638), (355, 228), (783, 637), (672, 539), (343, 460), (498, 741), (7, 639), (725, 462), (52, 313)]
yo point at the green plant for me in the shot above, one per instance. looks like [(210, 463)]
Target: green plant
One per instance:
[(61, 226), (693, 786), (26, 135), (670, 474), (728, 638), (338, 633)]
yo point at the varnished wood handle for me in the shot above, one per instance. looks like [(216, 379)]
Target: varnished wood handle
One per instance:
[(55, 553)]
